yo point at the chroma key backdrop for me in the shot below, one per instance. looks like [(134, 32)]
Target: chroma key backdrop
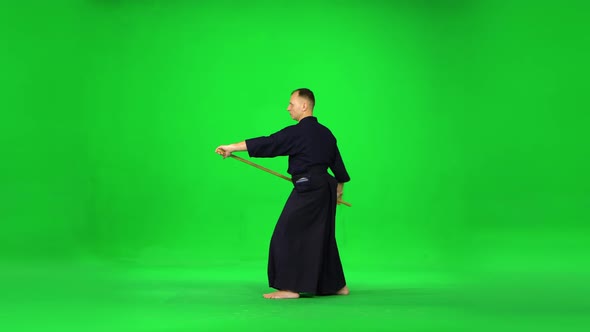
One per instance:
[(463, 125)]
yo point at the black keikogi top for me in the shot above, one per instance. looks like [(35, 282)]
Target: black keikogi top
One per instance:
[(308, 144)]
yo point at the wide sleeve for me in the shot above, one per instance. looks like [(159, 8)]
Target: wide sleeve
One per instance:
[(277, 144), (338, 168)]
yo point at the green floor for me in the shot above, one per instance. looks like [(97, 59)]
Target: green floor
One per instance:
[(127, 296)]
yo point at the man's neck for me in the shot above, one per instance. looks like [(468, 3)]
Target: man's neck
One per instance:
[(305, 116)]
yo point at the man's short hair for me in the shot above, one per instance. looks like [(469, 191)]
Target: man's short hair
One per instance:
[(307, 94)]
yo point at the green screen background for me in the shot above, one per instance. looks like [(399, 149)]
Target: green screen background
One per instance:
[(463, 125)]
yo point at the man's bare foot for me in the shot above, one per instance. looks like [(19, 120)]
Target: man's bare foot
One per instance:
[(281, 295), (343, 291)]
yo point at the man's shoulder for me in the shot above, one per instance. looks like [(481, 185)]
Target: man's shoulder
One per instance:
[(287, 130), (321, 126)]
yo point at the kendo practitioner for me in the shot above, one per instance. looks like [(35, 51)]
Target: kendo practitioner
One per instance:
[(303, 256)]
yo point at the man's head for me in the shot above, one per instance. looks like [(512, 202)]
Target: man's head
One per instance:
[(301, 104)]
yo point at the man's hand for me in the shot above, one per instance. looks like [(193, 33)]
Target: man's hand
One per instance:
[(224, 150), (339, 191)]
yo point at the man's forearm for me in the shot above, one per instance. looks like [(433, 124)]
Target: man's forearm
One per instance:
[(241, 146)]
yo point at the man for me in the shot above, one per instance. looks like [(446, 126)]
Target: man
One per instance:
[(303, 255)]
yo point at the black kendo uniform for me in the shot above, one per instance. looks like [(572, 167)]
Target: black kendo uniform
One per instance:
[(303, 254)]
